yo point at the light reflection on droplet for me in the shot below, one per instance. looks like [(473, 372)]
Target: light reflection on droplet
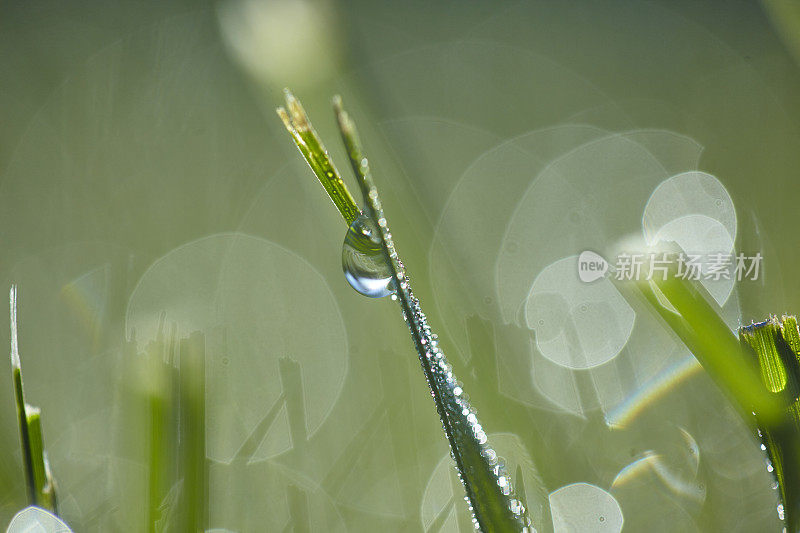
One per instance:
[(363, 260)]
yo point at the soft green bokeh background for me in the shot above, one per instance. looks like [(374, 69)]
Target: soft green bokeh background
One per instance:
[(143, 170)]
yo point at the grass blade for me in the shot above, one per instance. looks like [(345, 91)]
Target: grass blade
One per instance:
[(192, 433), (699, 325), (488, 487), (759, 371), (38, 479), (489, 491), (775, 343), (313, 151)]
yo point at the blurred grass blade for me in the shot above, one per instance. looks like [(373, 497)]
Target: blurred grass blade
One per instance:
[(159, 396), (16, 369), (192, 432), (699, 325), (759, 370), (38, 480), (488, 487), (313, 151), (43, 481), (721, 353)]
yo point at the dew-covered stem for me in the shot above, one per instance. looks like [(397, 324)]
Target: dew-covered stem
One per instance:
[(489, 491), (488, 487)]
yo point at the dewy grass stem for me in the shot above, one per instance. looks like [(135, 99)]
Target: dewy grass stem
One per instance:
[(488, 487)]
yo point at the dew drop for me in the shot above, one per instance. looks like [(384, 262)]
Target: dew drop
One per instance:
[(363, 262)]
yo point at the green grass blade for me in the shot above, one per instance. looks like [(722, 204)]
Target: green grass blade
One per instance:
[(38, 480), (775, 343), (192, 433), (759, 371), (313, 151), (488, 487), (699, 325), (45, 489), (22, 418)]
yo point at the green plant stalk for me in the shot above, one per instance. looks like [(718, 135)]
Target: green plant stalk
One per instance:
[(759, 371), (192, 448), (39, 482), (45, 490), (699, 325), (723, 355), (159, 395), (775, 344), (488, 487), (315, 154), (156, 466)]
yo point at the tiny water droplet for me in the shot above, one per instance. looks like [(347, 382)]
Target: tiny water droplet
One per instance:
[(363, 262)]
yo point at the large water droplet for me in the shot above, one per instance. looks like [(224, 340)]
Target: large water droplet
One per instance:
[(363, 261)]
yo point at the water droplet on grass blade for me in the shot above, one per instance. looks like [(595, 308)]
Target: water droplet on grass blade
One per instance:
[(363, 262)]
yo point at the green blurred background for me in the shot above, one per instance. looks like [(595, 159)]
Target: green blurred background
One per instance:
[(146, 180)]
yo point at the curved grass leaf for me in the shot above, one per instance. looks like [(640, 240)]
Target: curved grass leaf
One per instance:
[(759, 371)]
